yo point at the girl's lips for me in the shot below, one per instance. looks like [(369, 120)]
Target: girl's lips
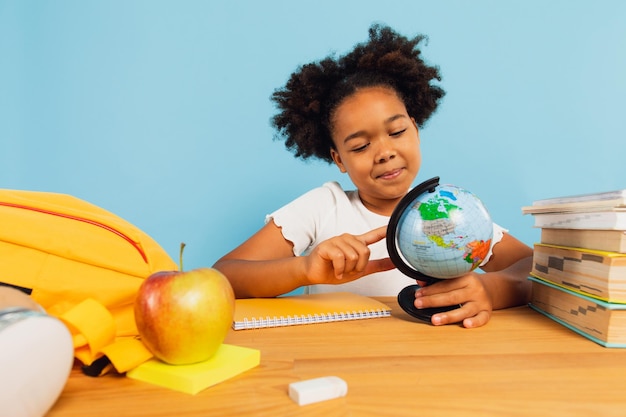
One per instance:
[(389, 175)]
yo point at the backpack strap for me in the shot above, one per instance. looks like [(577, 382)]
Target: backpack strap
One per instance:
[(93, 331)]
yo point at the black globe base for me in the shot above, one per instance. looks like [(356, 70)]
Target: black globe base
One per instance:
[(406, 299)]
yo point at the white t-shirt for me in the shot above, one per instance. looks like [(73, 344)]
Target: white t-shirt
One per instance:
[(329, 211)]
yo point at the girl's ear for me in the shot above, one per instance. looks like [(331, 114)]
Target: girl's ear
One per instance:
[(337, 159)]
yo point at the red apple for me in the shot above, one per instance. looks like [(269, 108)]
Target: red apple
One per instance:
[(183, 317)]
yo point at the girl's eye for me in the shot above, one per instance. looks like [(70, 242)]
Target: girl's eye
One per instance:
[(361, 148), (398, 133)]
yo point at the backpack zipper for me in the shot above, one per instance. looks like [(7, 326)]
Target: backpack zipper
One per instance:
[(136, 245)]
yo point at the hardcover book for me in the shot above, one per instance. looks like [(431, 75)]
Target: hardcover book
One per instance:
[(597, 320), (614, 219), (604, 240), (596, 211), (605, 201), (597, 273)]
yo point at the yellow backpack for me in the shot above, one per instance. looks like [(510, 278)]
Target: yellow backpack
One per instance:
[(83, 265)]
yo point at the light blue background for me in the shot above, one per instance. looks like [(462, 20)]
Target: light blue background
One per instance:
[(159, 110)]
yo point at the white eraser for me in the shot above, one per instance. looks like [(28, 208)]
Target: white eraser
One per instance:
[(318, 389)]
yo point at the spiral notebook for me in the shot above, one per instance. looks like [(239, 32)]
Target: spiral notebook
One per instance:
[(256, 313)]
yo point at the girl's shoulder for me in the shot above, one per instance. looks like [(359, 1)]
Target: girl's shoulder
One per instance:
[(330, 191)]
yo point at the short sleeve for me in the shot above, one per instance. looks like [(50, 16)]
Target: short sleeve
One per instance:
[(301, 219), (498, 233)]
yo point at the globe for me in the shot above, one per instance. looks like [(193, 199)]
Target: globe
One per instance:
[(441, 231)]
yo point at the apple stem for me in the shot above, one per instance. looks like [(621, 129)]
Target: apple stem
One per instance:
[(182, 248)]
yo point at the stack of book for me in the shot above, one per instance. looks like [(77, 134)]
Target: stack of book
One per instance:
[(579, 267)]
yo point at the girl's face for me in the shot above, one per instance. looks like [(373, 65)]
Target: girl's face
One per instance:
[(377, 144)]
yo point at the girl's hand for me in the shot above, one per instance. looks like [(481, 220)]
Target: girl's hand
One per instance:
[(345, 258), (468, 291)]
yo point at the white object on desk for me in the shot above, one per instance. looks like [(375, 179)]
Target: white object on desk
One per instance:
[(318, 389), (36, 357)]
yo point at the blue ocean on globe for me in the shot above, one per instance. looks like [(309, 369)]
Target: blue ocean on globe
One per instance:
[(445, 233)]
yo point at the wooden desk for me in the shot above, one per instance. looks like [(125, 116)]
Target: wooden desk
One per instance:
[(520, 364)]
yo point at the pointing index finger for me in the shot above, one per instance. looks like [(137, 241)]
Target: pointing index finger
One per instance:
[(374, 235)]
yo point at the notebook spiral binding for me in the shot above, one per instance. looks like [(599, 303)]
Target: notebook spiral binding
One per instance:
[(264, 322)]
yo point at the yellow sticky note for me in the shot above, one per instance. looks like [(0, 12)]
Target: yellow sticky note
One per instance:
[(228, 361)]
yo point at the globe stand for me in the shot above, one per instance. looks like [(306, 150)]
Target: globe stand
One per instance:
[(406, 297)]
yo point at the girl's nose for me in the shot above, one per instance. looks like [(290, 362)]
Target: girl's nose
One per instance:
[(385, 151)]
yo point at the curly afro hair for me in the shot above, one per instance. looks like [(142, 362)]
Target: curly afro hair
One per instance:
[(307, 102)]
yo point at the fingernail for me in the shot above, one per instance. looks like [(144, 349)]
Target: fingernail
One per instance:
[(418, 303)]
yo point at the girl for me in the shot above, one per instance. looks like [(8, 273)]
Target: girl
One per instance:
[(362, 112)]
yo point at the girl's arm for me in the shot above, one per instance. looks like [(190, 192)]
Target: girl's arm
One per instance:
[(512, 262), (262, 266), (265, 265)]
